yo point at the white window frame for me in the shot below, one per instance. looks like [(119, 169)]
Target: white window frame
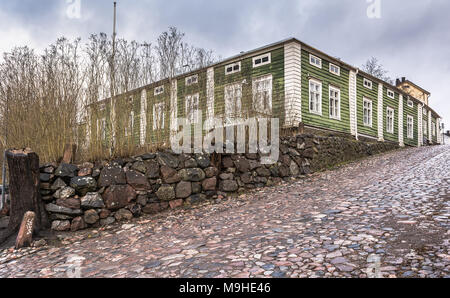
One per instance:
[(101, 128), (390, 120), (233, 102), (389, 92), (410, 103), (158, 116), (233, 65), (433, 128), (259, 99), (261, 57), (158, 90), (338, 69), (191, 80), (410, 127), (338, 105), (369, 116), (424, 112), (314, 60), (368, 82), (425, 127), (130, 125), (317, 106), (192, 107)]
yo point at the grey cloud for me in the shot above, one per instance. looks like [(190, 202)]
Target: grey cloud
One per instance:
[(411, 39)]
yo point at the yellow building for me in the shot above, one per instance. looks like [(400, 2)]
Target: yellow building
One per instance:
[(413, 90)]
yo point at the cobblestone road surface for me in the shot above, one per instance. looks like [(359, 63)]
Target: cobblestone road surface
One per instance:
[(387, 215)]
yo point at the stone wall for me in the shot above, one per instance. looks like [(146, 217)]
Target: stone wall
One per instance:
[(96, 194)]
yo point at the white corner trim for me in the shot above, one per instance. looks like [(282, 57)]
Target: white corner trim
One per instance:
[(210, 96), (430, 130), (401, 140), (292, 84), (419, 125), (173, 106), (143, 118), (352, 100), (380, 113)]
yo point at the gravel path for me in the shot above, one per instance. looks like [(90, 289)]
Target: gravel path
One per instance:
[(385, 216)]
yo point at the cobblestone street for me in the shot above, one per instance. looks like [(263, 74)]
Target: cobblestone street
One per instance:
[(385, 216)]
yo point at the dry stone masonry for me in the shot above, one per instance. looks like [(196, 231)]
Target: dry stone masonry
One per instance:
[(101, 193)]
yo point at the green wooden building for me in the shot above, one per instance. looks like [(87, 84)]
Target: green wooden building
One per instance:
[(288, 80)]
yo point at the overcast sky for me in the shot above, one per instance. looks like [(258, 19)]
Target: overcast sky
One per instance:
[(411, 38)]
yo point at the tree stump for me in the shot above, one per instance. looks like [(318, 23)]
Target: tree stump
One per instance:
[(24, 192), (25, 236)]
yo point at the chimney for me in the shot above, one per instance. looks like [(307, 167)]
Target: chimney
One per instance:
[(397, 82), (403, 79)]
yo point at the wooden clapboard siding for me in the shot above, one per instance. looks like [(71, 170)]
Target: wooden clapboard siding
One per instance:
[(245, 77), (410, 111), (393, 104), (327, 78), (158, 135), (371, 94)]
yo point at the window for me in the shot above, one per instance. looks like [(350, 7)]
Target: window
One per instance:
[(335, 103), (191, 108), (232, 68), (424, 124), (367, 112), (433, 128), (262, 95), (367, 83), (233, 95), (101, 128), (424, 111), (261, 60), (130, 126), (191, 80), (335, 69), (410, 127), (390, 93), (410, 103), (158, 116), (390, 120), (313, 60), (315, 97), (159, 90)]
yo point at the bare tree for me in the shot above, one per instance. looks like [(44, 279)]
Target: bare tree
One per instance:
[(375, 68)]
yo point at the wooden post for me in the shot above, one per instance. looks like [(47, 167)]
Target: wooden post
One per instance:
[(69, 153), (25, 236), (24, 192)]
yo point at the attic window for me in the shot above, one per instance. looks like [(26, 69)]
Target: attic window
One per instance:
[(232, 68), (261, 60), (410, 103), (159, 90), (335, 69), (313, 60), (367, 84), (192, 80), (390, 93)]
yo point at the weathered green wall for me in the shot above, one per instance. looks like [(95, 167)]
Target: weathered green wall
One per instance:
[(248, 73), (371, 94), (393, 104), (411, 112), (327, 78)]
